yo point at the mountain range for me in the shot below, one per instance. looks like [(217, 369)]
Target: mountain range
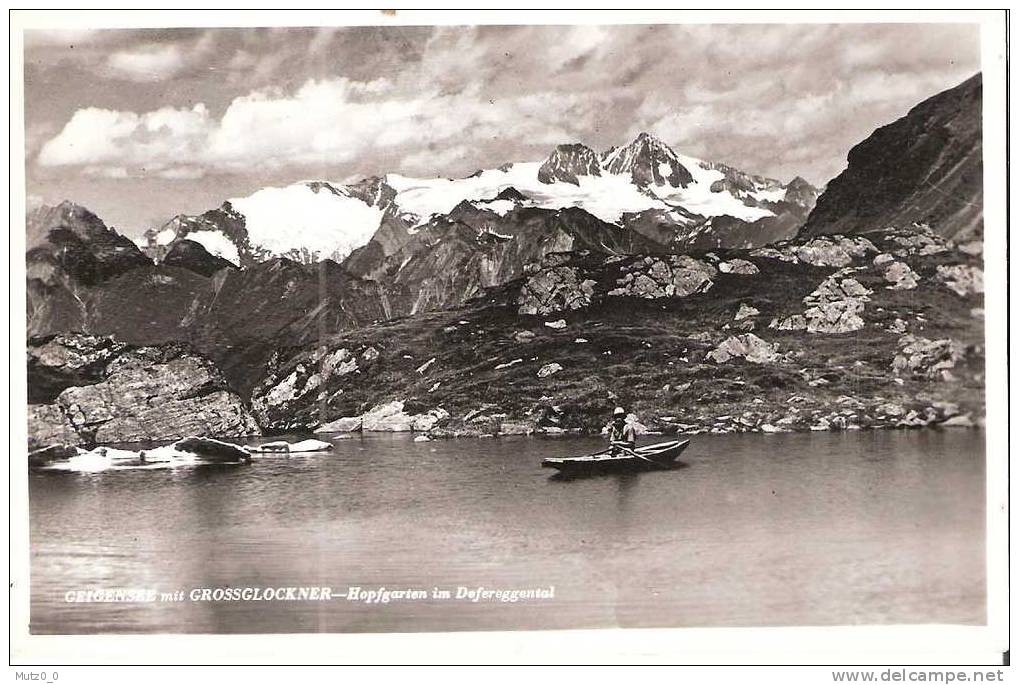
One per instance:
[(257, 282), (644, 187)]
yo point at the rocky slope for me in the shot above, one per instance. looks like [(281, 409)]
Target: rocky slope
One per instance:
[(453, 258), (927, 167), (236, 317), (828, 333), (89, 389)]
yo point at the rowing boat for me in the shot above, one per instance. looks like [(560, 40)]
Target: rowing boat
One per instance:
[(660, 456)]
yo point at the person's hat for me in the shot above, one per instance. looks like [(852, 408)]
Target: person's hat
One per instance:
[(619, 411)]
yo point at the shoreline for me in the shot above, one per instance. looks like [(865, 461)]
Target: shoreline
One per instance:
[(562, 434)]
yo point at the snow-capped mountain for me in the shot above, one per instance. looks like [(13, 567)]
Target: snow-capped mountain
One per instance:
[(649, 162), (569, 162), (305, 221), (316, 220)]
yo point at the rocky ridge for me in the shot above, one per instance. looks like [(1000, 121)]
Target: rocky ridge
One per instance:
[(926, 167), (109, 392)]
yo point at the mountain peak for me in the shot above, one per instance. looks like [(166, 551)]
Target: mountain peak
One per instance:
[(80, 243), (645, 137), (649, 161), (569, 161), (191, 255), (512, 194), (66, 215)]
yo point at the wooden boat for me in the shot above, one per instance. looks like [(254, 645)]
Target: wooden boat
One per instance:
[(660, 456)]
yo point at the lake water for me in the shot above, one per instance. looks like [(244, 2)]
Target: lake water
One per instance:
[(788, 529)]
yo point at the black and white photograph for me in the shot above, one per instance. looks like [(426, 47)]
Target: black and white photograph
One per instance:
[(443, 323)]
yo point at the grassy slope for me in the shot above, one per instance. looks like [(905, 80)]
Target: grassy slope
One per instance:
[(649, 356)]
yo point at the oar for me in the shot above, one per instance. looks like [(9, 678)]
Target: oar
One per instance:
[(639, 456)]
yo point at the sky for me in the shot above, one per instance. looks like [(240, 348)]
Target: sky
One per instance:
[(141, 125)]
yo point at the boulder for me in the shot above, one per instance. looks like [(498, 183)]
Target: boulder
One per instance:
[(430, 419), (890, 409), (557, 325), (900, 276), (960, 421), (838, 251), (898, 326), (345, 424), (738, 266), (841, 316), (516, 428), (657, 277), (883, 258), (745, 311), (51, 453), (924, 358), (747, 346), (920, 240), (387, 417), (796, 322), (836, 288), (162, 401), (961, 279), (482, 413), (772, 253), (552, 290), (835, 306), (209, 448), (549, 370)]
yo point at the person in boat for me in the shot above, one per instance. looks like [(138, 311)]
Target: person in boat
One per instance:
[(621, 434)]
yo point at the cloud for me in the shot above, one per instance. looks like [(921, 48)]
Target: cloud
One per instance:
[(105, 142), (425, 162), (321, 123), (773, 99), (152, 63), (47, 37)]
